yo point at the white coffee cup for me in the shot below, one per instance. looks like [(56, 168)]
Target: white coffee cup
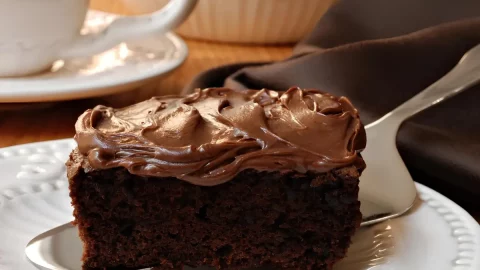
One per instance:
[(36, 33)]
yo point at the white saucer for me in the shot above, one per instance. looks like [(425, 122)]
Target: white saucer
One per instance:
[(435, 235), (122, 68)]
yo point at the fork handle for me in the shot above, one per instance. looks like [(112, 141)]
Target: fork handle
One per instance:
[(465, 74)]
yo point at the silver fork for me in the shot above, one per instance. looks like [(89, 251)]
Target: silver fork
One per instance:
[(386, 187)]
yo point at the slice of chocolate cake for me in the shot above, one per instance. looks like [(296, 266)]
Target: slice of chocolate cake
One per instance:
[(219, 178)]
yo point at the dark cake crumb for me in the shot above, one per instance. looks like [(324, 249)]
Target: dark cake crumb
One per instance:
[(273, 220)]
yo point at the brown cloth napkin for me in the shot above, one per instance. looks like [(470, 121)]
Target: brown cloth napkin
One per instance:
[(379, 54)]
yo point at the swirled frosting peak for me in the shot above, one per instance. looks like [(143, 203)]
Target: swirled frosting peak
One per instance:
[(206, 138)]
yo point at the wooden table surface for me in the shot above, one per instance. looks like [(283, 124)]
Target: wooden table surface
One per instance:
[(25, 123)]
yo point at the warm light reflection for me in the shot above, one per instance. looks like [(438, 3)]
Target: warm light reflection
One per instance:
[(107, 60), (95, 23), (57, 65)]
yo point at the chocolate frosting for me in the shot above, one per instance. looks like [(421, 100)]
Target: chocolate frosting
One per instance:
[(206, 138)]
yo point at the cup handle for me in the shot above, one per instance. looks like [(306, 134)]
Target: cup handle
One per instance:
[(130, 27)]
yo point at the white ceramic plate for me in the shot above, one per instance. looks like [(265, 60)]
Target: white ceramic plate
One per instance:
[(435, 235), (122, 68)]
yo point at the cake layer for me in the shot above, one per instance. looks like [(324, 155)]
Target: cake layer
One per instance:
[(258, 219), (219, 178), (208, 137)]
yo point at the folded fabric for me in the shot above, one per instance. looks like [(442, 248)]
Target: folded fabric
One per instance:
[(379, 54)]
